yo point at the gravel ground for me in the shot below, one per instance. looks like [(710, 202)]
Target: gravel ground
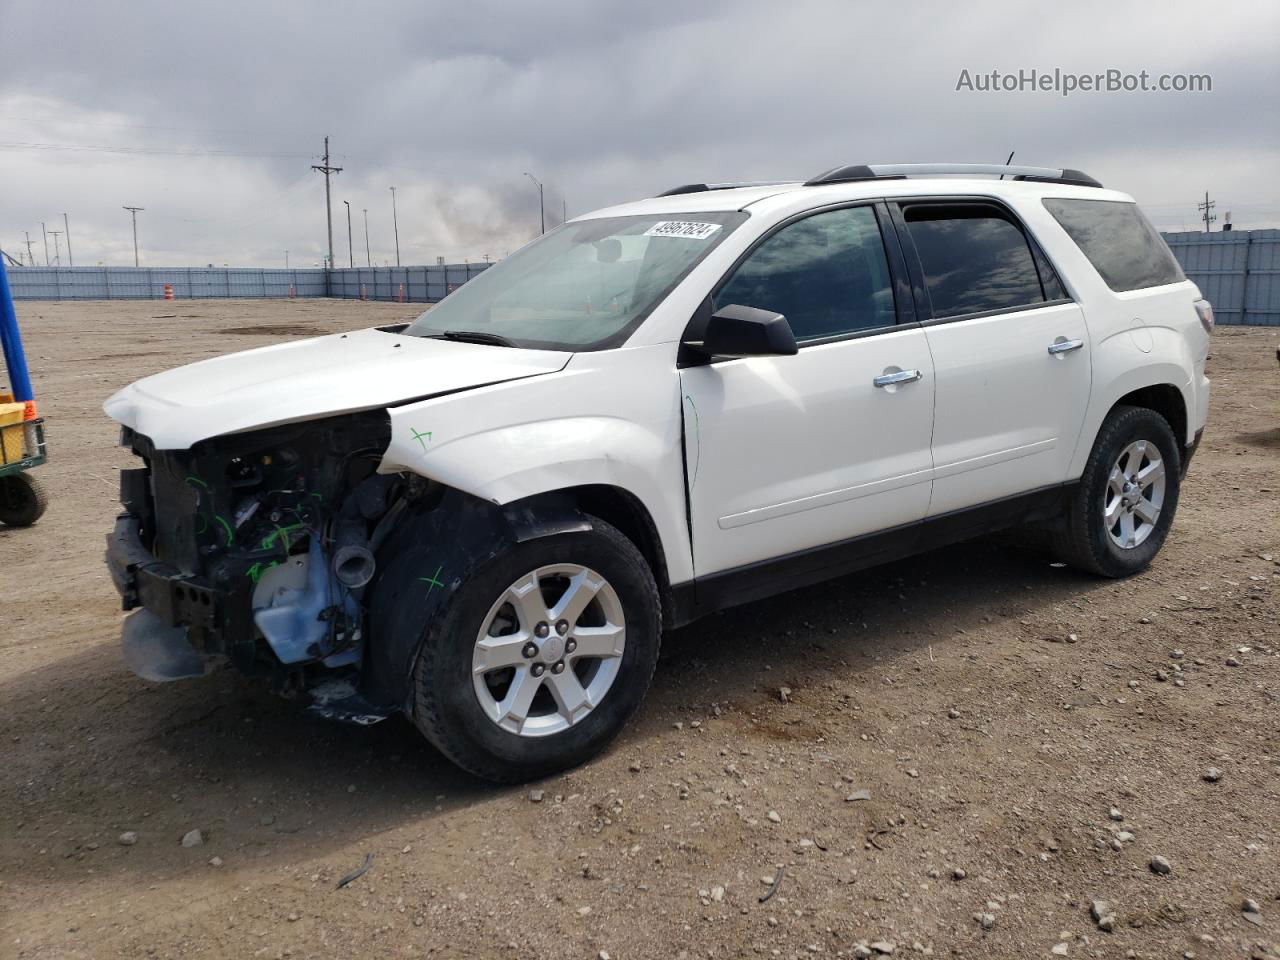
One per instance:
[(974, 745)]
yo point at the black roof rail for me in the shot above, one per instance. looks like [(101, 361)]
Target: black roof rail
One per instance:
[(704, 187), (899, 171)]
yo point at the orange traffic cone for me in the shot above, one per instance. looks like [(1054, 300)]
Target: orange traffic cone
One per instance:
[(362, 293), (400, 295), (293, 293), (168, 291)]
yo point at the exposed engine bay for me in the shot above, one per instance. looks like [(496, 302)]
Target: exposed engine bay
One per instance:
[(263, 542)]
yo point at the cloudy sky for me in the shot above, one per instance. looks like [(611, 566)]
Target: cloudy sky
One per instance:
[(209, 115)]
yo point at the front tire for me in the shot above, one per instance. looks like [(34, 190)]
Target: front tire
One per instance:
[(540, 656), (1121, 511)]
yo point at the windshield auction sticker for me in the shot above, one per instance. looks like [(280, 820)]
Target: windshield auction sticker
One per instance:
[(689, 229)]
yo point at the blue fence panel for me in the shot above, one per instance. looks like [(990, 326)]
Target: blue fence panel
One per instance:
[(1236, 270)]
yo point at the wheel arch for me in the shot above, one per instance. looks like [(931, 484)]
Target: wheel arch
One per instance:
[(1165, 399), (1164, 388), (449, 534), (625, 511)]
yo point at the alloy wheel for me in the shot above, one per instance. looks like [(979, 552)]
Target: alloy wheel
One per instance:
[(1134, 496), (548, 650)]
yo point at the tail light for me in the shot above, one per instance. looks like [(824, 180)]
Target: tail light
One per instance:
[(1204, 310)]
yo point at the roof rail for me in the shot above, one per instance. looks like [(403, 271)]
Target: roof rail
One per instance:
[(899, 171), (704, 187)]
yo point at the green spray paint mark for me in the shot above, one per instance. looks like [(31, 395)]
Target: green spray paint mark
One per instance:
[(422, 438), (227, 527), (433, 580), (194, 480), (281, 533), (257, 570)]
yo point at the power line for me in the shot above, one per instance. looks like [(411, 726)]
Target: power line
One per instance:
[(134, 212), (395, 224), (145, 151), (1206, 211), (324, 168), (368, 258)]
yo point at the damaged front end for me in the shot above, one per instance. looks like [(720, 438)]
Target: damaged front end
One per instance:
[(257, 548)]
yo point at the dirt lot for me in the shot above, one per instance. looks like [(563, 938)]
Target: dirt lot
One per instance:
[(995, 707)]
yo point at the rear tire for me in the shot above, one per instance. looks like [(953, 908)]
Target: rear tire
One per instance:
[(479, 649), (1121, 511), (23, 500)]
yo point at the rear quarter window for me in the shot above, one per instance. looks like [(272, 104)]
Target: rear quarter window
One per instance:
[(1122, 246)]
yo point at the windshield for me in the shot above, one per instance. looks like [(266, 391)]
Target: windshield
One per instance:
[(584, 286)]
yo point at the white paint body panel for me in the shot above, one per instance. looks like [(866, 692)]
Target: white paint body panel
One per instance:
[(610, 417), (1009, 412), (306, 379), (787, 453)]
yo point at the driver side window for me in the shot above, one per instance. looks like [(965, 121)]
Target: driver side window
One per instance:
[(827, 274)]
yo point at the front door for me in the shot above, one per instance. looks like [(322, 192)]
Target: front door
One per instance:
[(789, 453)]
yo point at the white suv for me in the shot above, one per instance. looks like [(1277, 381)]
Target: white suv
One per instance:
[(485, 519)]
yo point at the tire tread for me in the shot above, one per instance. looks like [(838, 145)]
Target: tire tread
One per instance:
[(427, 713)]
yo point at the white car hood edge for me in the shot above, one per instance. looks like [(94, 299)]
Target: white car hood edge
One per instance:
[(307, 379)]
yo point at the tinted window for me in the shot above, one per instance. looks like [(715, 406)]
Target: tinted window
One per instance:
[(1053, 288), (1122, 246), (974, 259), (827, 274)]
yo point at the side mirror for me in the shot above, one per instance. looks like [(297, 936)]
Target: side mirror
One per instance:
[(738, 331)]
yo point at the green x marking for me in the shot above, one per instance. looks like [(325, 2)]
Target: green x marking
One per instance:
[(422, 438), (433, 580)]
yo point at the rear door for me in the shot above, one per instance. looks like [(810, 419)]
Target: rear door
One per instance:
[(788, 453), (1010, 352)]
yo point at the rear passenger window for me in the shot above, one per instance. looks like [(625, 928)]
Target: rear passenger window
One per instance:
[(827, 274), (1122, 246), (974, 259)]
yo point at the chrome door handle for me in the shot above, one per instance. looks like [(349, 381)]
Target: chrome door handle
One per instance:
[(1064, 346), (902, 376)]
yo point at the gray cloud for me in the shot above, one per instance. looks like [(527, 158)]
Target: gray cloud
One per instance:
[(221, 108)]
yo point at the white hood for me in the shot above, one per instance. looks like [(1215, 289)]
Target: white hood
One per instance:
[(302, 380)]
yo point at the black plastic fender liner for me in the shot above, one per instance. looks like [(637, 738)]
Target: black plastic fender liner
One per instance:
[(431, 552)]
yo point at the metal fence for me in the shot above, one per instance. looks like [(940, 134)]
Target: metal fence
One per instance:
[(1237, 270), (419, 284)]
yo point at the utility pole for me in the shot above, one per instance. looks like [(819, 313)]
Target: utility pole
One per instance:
[(46, 243), (564, 210), (324, 168), (57, 249), (1205, 209), (395, 224), (30, 256), (133, 211), (542, 210), (286, 259), (70, 261), (351, 257), (368, 260)]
